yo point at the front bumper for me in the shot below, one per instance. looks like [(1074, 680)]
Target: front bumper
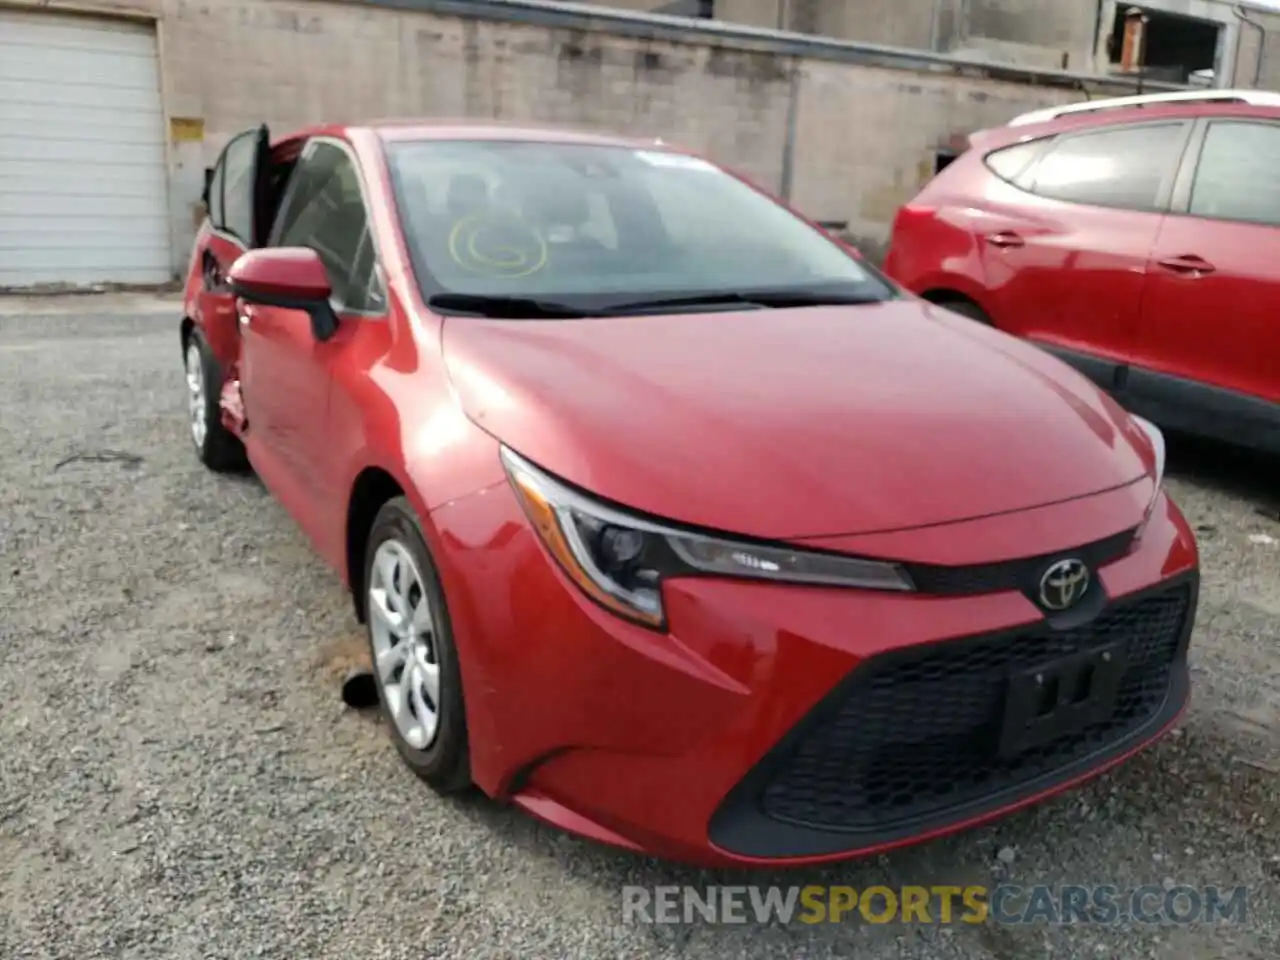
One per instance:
[(908, 743), (786, 724)]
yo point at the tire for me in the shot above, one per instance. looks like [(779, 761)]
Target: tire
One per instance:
[(966, 309), (399, 574), (216, 446)]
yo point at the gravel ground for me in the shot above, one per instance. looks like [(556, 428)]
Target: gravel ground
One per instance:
[(178, 778)]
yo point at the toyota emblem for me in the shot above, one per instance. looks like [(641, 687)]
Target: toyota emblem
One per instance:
[(1063, 584)]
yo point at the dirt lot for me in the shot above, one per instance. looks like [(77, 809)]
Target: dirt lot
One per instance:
[(179, 780)]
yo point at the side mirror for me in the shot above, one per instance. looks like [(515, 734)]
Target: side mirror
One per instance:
[(208, 186), (292, 278)]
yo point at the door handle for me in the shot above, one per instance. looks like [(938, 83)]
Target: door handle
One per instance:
[(1005, 239), (1189, 265)]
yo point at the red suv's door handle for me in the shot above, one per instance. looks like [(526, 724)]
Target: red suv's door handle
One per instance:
[(1190, 265), (1005, 239)]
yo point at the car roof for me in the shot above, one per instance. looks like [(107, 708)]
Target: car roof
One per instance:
[(1182, 99), (1041, 124), (418, 128)]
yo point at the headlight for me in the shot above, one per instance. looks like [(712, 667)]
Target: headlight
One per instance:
[(1157, 445), (620, 561)]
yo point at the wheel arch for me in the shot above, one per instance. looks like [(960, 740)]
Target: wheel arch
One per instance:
[(960, 303), (941, 296), (373, 487)]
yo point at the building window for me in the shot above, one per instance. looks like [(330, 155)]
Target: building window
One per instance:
[(1173, 48)]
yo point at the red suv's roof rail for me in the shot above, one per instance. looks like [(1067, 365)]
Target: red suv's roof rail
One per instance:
[(1257, 98)]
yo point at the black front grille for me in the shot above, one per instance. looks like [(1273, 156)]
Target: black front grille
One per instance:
[(914, 733), (1023, 574)]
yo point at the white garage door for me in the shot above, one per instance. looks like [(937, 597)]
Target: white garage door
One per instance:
[(82, 153)]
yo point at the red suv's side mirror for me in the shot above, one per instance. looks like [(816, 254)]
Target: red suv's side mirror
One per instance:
[(293, 278)]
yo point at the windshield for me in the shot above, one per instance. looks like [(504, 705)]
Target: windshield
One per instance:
[(572, 226)]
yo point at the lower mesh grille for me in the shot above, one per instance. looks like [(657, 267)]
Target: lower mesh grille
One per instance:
[(917, 731)]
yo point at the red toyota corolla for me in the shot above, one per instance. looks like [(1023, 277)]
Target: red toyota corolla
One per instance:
[(672, 521)]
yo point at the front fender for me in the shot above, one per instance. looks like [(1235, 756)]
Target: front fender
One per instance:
[(440, 459), (443, 462)]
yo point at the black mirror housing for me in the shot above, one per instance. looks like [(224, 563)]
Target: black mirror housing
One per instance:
[(324, 320)]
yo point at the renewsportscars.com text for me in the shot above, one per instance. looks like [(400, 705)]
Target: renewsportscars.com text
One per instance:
[(1005, 904)]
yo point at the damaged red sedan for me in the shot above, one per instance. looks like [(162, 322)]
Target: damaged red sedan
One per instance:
[(673, 521)]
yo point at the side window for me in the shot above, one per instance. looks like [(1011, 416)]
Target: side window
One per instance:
[(1128, 167), (237, 187), (215, 194), (324, 210), (1238, 177), (1010, 163)]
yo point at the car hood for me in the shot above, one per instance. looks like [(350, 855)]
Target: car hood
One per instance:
[(788, 424)]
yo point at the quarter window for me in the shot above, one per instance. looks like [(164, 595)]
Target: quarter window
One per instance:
[(1010, 163), (324, 210), (1128, 167), (1237, 176)]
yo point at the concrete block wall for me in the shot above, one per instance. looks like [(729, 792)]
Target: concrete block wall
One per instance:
[(867, 140), (753, 13), (1030, 32), (865, 137), (1065, 25), (895, 23), (1060, 25)]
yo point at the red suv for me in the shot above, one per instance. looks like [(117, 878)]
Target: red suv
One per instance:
[(1136, 238)]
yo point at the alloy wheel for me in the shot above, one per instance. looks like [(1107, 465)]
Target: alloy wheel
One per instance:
[(405, 656), (196, 395)]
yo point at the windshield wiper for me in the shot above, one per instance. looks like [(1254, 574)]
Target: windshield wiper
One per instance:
[(773, 299), (501, 306), (504, 307)]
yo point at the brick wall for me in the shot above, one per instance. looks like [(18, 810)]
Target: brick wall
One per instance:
[(866, 137)]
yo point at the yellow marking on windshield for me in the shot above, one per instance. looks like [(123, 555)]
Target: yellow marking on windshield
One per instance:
[(506, 258)]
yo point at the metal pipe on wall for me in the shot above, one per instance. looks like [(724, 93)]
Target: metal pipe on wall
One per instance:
[(792, 131), (1243, 16)]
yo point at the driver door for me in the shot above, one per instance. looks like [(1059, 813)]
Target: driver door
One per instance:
[(287, 372), (233, 198)]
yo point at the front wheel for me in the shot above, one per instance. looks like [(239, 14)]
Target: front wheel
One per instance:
[(415, 662)]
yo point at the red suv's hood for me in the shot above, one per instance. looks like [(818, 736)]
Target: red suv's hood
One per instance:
[(794, 423)]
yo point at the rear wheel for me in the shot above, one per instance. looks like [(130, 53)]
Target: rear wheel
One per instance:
[(415, 663), (216, 446)]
